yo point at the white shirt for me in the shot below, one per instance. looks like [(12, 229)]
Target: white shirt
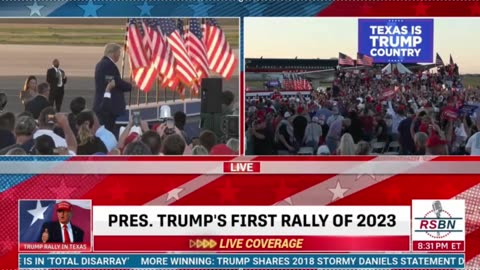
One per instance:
[(107, 138), (59, 141), (69, 230), (474, 144)]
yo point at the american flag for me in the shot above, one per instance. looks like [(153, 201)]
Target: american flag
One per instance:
[(364, 60), (161, 54), (438, 60), (196, 48), (345, 60), (221, 58), (144, 73), (185, 72)]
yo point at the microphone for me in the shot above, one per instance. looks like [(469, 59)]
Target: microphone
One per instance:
[(437, 208)]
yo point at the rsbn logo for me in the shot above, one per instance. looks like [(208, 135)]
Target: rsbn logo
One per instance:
[(439, 223)]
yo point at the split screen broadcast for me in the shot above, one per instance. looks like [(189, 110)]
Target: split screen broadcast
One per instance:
[(171, 86)]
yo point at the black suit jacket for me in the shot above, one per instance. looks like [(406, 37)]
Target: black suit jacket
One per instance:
[(36, 105), (105, 68), (53, 80), (55, 233)]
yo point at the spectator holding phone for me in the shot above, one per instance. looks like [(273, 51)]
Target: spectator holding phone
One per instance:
[(47, 121)]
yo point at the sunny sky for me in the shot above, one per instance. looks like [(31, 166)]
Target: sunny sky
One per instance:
[(325, 37)]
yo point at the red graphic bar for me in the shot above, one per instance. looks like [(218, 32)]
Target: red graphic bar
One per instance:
[(251, 243), (241, 167), (439, 246), (53, 247)]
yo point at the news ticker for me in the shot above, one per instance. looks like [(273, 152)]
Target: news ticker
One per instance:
[(426, 226), (229, 261)]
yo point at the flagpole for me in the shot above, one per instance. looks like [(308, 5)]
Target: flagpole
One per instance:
[(156, 90), (125, 48)]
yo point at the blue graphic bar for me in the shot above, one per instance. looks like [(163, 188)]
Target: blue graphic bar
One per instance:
[(224, 261)]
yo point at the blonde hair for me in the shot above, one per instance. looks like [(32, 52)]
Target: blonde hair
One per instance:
[(111, 48), (346, 146), (233, 144), (199, 151)]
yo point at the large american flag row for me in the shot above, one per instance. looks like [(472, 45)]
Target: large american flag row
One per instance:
[(295, 82), (176, 54), (362, 60)]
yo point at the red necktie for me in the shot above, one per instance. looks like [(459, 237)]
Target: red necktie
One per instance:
[(66, 236)]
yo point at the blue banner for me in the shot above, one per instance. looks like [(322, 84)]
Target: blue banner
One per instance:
[(396, 40), (224, 261)]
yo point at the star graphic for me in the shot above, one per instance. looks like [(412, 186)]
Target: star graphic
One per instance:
[(35, 9), (394, 195), (421, 9), (62, 191), (475, 9), (174, 194), (283, 191), (372, 176), (338, 192), (228, 193), (145, 9), (38, 212), (200, 9), (7, 244), (90, 9), (289, 200), (118, 192), (366, 9), (255, 8)]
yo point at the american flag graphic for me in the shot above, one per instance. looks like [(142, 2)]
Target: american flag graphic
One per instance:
[(143, 72), (196, 48), (364, 60), (438, 60), (185, 72), (221, 58), (345, 60), (161, 54), (257, 189)]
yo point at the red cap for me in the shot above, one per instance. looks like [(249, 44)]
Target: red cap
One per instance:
[(434, 140), (300, 110), (221, 150), (64, 206)]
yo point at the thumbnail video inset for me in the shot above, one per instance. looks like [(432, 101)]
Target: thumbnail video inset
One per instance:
[(350, 86)]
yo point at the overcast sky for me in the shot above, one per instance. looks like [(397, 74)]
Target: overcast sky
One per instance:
[(325, 37)]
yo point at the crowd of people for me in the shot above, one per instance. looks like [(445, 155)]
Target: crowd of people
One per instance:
[(41, 129), (370, 112)]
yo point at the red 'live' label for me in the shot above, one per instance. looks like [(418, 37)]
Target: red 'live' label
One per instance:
[(241, 167)]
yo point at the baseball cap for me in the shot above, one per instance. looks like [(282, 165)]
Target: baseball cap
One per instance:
[(26, 125), (221, 150), (64, 206)]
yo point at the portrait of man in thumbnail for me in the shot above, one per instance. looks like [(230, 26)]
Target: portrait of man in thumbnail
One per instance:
[(55, 225), (376, 86), (120, 86), (61, 231)]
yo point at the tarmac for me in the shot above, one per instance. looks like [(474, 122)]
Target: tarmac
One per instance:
[(78, 62)]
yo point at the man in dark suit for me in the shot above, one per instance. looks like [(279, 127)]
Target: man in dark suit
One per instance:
[(57, 80), (40, 102), (62, 231), (106, 71)]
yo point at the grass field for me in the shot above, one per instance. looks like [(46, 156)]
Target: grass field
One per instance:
[(472, 80), (73, 32)]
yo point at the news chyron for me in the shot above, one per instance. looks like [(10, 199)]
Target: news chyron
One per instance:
[(427, 233)]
